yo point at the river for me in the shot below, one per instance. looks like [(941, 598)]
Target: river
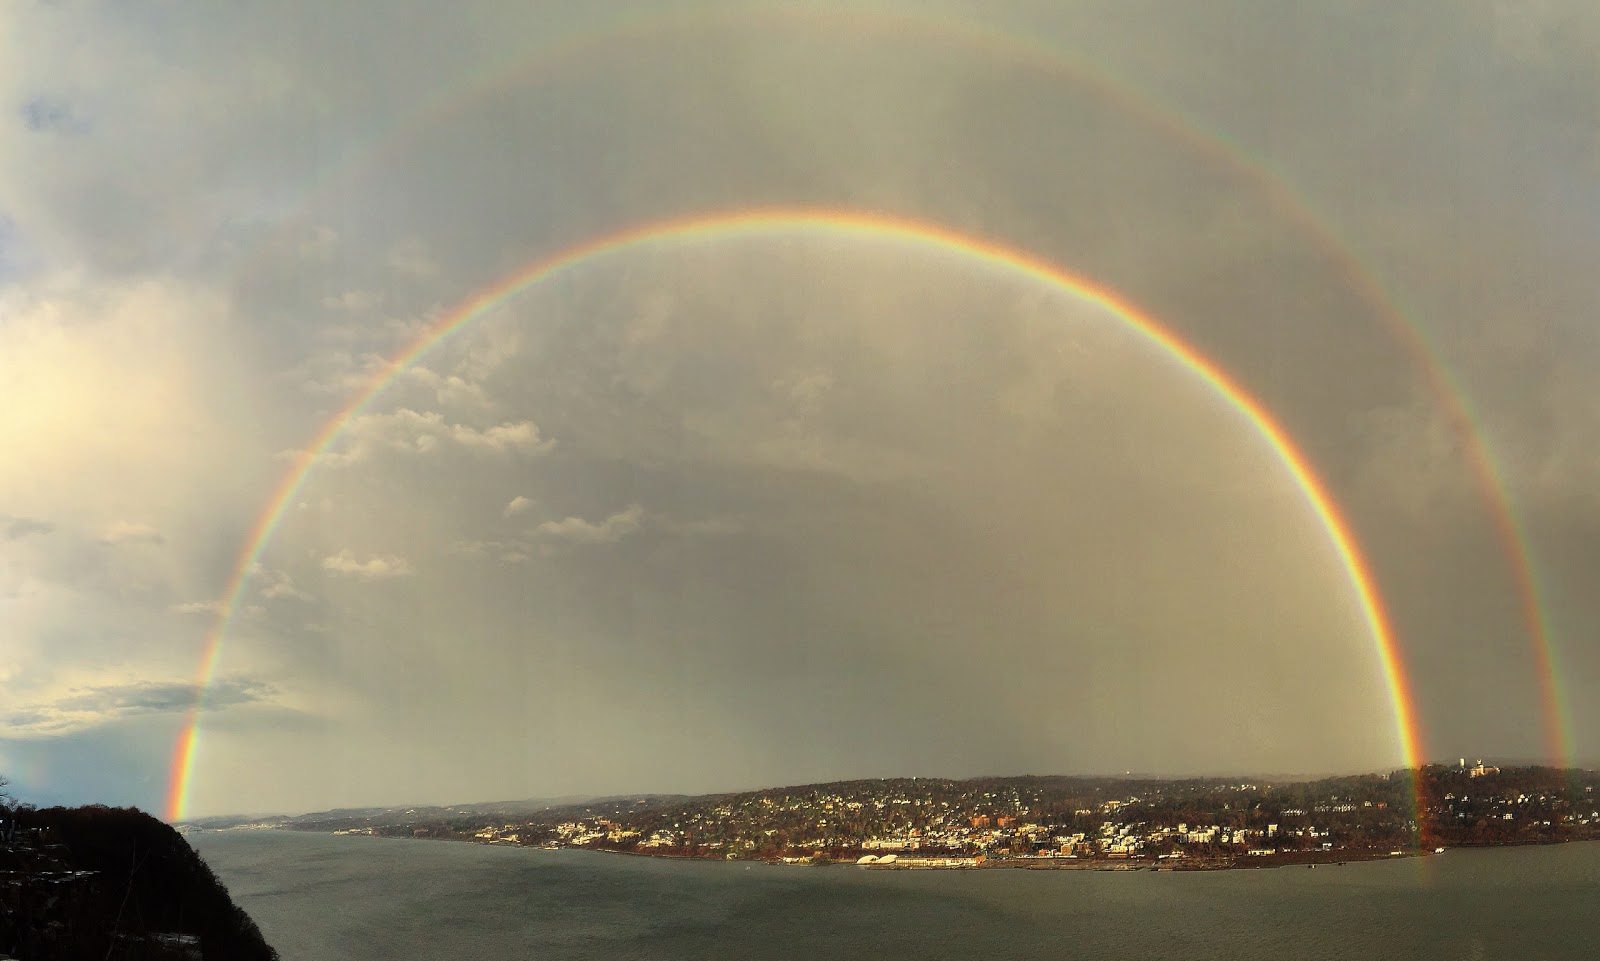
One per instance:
[(324, 897)]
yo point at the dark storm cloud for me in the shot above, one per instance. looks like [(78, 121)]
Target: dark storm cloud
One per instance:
[(158, 698), (110, 704)]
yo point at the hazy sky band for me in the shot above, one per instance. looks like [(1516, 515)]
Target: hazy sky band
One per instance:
[(906, 25), (828, 222)]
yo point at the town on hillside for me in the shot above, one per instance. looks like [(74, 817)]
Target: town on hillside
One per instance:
[(1042, 821)]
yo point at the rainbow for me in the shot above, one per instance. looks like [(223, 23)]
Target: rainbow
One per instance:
[(918, 24), (834, 223)]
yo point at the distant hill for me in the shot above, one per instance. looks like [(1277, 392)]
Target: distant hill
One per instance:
[(113, 883), (1198, 823), (394, 813)]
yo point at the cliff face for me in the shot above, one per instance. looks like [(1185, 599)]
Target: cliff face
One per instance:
[(115, 883)]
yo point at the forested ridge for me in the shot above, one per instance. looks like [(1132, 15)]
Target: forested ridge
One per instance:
[(113, 883)]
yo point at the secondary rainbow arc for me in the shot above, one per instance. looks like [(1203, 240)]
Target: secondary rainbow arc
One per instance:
[(902, 23), (844, 223)]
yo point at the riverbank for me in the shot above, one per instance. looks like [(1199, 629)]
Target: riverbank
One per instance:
[(1281, 859), (1252, 862), (1311, 859)]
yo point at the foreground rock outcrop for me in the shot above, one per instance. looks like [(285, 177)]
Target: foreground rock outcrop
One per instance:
[(113, 883)]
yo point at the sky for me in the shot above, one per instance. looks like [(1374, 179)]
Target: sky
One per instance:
[(789, 504)]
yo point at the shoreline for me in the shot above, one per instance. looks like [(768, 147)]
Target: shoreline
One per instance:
[(1308, 859)]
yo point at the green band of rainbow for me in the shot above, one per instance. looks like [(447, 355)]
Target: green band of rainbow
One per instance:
[(848, 224)]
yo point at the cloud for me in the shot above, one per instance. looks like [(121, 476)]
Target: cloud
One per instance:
[(719, 526), (452, 390), (807, 390), (354, 301), (153, 698), (410, 257), (14, 528), (518, 505), (376, 567), (492, 349), (576, 530), (413, 432), (82, 707), (510, 552), (520, 436), (459, 392), (319, 243), (337, 372), (404, 431), (212, 608), (46, 114), (131, 532), (280, 586), (274, 584)]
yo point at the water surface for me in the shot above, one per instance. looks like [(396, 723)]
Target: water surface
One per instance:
[(319, 896)]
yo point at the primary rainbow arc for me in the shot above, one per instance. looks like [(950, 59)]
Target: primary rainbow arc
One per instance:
[(843, 223)]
